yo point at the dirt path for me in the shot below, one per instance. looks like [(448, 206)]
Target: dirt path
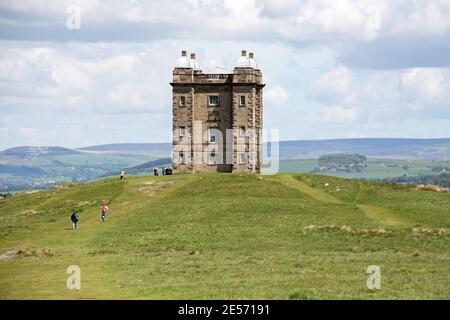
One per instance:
[(316, 194)]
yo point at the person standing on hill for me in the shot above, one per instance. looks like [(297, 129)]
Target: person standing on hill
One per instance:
[(122, 174), (105, 209), (75, 218)]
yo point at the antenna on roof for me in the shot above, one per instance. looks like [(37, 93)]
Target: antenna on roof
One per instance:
[(218, 67), (217, 47)]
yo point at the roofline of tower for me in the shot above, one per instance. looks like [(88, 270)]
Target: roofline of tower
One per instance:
[(190, 84)]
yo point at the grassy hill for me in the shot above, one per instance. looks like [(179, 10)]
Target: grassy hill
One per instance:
[(288, 236)]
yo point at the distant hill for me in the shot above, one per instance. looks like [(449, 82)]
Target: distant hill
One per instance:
[(29, 168), (156, 150), (392, 148), (23, 171), (33, 152), (26, 168), (431, 149)]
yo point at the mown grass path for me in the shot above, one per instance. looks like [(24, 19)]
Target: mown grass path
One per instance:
[(314, 193), (383, 216)]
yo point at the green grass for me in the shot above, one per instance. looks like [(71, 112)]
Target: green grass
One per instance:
[(227, 236)]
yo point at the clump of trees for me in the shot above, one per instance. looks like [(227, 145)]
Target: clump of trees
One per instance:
[(442, 180), (341, 162)]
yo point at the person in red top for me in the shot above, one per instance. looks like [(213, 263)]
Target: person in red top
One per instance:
[(105, 209)]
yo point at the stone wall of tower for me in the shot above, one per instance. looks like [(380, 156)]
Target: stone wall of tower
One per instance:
[(182, 117), (204, 114), (245, 152), (247, 83)]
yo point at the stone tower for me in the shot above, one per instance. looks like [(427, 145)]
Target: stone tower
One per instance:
[(217, 118)]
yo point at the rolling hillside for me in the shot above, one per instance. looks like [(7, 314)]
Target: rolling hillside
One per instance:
[(389, 148), (155, 150), (227, 236), (28, 168), (392, 148)]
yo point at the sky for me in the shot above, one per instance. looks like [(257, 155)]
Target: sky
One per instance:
[(86, 72)]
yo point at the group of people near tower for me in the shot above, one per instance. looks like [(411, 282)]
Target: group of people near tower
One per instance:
[(164, 171)]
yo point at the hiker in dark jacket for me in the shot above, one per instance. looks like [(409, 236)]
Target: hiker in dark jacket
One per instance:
[(75, 218)]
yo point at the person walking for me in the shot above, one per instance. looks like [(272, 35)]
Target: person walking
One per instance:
[(75, 218), (122, 174), (105, 209)]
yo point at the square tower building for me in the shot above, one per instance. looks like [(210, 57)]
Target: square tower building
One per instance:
[(217, 118)]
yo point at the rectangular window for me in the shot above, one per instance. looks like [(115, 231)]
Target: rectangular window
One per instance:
[(182, 101), (182, 131), (242, 158), (213, 100), (241, 131), (242, 101)]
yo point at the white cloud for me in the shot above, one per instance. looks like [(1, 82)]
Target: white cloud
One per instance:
[(335, 84), (339, 114), (121, 81), (289, 20), (427, 85), (375, 65), (275, 96), (382, 95)]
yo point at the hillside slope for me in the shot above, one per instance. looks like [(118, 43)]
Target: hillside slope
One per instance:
[(227, 236)]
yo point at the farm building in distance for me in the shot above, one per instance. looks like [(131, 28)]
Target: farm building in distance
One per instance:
[(217, 118)]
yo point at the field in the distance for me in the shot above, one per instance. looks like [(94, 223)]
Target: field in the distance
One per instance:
[(376, 168), (227, 236)]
